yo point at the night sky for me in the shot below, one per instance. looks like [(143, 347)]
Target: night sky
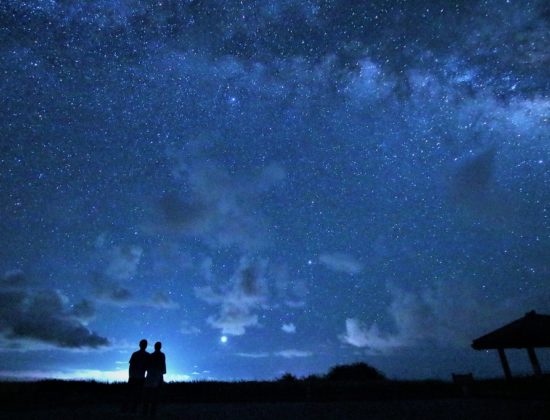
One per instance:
[(271, 186)]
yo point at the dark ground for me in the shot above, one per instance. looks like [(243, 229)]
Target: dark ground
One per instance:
[(523, 398), (470, 409)]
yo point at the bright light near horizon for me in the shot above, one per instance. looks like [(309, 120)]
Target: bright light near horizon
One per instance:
[(223, 339), (84, 375), (75, 375)]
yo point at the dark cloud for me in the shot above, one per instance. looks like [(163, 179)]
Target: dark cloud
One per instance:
[(110, 291), (180, 214), (239, 299), (291, 290), (14, 278), (220, 208), (474, 177), (115, 294), (110, 281), (124, 261), (162, 300), (43, 316), (116, 284), (84, 310)]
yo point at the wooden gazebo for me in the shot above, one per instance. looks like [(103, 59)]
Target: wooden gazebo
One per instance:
[(529, 332)]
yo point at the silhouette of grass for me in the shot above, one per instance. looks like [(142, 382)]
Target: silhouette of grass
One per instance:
[(60, 392), (311, 397)]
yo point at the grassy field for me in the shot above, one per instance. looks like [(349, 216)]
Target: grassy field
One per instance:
[(523, 398), (470, 409)]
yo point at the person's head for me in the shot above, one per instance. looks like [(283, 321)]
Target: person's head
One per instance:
[(158, 346), (143, 344)]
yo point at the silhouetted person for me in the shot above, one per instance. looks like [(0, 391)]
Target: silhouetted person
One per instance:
[(155, 372), (136, 374)]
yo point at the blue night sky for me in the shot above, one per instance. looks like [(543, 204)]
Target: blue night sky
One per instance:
[(271, 186)]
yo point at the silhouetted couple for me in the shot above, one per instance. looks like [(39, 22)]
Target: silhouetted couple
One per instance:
[(146, 387)]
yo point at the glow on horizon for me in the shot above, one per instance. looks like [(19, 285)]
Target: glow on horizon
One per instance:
[(110, 376)]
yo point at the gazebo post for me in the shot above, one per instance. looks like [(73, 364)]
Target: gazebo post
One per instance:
[(529, 332), (534, 361), (505, 365)]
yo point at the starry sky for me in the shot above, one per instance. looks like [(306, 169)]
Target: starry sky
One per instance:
[(271, 186)]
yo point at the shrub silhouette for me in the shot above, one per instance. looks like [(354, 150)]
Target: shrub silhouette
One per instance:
[(356, 372), (288, 377)]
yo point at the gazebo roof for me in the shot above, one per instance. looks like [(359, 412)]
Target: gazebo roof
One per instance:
[(532, 330)]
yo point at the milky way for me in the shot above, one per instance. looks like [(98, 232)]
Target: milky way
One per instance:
[(270, 186)]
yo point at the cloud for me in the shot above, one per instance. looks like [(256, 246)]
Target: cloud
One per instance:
[(14, 278), (233, 320), (245, 293), (206, 269), (219, 218), (110, 291), (341, 262), (289, 328), (287, 354), (110, 286), (358, 335), (370, 83), (472, 180), (415, 320), (260, 355), (84, 310), (124, 262), (188, 329), (211, 203), (291, 291), (43, 316), (286, 25), (292, 354), (448, 314), (162, 300)]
